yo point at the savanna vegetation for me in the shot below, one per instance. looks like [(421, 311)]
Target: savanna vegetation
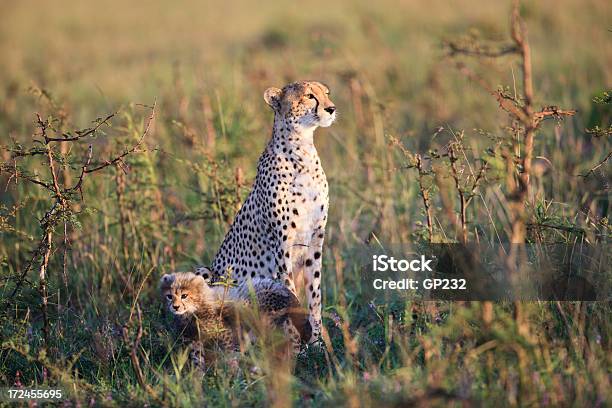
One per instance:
[(129, 136)]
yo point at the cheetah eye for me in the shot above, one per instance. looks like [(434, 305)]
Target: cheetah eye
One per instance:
[(311, 96), (169, 297), (184, 296)]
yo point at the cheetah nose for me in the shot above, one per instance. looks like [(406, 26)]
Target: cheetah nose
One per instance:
[(176, 307), (330, 109)]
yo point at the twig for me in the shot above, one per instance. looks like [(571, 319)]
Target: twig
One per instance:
[(462, 198), (601, 163), (456, 49), (133, 347), (79, 184), (551, 111), (68, 138), (479, 177), (424, 195), (519, 35), (558, 227), (60, 205), (130, 150)]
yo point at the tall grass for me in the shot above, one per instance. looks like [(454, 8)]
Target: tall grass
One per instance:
[(166, 205)]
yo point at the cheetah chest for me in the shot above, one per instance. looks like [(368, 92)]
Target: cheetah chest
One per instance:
[(310, 201)]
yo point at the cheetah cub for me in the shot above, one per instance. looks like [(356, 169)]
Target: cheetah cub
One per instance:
[(213, 319), (278, 232), (196, 310)]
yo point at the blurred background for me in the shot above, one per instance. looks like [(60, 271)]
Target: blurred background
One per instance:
[(95, 57), (207, 64)]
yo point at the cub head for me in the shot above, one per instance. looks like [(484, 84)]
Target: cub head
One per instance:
[(305, 104), (184, 292)]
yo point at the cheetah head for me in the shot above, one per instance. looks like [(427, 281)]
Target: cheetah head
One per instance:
[(303, 104), (184, 292)]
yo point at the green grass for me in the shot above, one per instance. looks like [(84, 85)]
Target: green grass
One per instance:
[(167, 207)]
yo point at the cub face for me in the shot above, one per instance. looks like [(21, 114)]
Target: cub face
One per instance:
[(305, 103), (183, 292)]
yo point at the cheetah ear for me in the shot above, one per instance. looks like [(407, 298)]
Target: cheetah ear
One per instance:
[(204, 272), (272, 96)]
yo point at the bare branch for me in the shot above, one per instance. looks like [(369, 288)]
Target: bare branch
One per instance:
[(506, 102), (519, 35), (56, 186), (133, 347), (61, 207), (15, 173), (601, 163), (87, 132), (31, 152), (575, 230), (474, 51), (425, 196), (551, 111), (129, 151), (79, 182), (479, 177)]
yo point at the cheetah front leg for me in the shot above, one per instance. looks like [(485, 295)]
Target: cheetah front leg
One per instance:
[(285, 258), (312, 281)]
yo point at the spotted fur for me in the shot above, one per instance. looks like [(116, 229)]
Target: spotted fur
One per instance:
[(278, 232), (198, 315), (213, 318)]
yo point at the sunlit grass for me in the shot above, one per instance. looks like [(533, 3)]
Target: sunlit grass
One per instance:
[(167, 208)]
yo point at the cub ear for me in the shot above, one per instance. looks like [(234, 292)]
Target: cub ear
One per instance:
[(167, 279), (272, 96), (199, 281)]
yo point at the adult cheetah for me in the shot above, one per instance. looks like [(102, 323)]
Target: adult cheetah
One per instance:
[(278, 232)]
